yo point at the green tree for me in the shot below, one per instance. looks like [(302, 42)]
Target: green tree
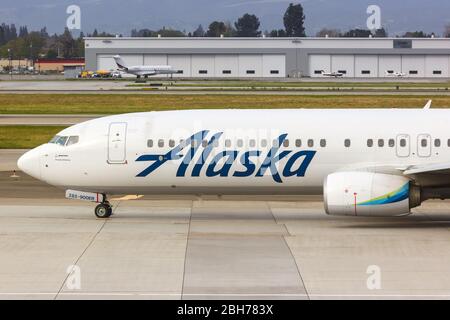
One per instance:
[(169, 33), (216, 28), (332, 33), (35, 44), (294, 21), (52, 54), (277, 33), (416, 34), (247, 26), (67, 44), (380, 33), (199, 32), (357, 33)]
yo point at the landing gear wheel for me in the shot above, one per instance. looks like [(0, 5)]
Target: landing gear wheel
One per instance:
[(103, 210)]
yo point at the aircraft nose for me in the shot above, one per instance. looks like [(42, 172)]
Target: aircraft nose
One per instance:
[(30, 163)]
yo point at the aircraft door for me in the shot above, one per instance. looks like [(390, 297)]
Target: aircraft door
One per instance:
[(117, 138), (424, 145), (403, 145)]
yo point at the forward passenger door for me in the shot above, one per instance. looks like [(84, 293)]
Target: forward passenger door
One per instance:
[(117, 138)]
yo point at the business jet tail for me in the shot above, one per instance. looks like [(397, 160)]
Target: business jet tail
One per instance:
[(120, 63)]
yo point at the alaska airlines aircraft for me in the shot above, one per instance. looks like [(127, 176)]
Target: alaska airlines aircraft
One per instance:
[(378, 162), (143, 71)]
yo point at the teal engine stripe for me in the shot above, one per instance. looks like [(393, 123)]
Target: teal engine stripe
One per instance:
[(400, 195)]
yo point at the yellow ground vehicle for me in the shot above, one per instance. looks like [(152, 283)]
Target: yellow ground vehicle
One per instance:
[(86, 74)]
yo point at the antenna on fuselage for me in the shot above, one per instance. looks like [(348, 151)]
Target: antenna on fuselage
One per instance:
[(428, 105)]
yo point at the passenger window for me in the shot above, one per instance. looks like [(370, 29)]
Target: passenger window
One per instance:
[(381, 143), (286, 143), (437, 142), (171, 143), (448, 143), (161, 143), (216, 143), (72, 140), (263, 143), (252, 143), (228, 143), (347, 143), (310, 143), (275, 143), (402, 143), (370, 143), (298, 143), (323, 143), (182, 143), (240, 143), (423, 143), (391, 143), (194, 144), (204, 143), (150, 143)]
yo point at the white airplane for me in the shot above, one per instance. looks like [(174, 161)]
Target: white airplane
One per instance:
[(143, 71), (395, 74), (332, 74), (379, 162)]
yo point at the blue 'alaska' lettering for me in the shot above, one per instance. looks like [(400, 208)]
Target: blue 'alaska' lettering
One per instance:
[(205, 154), (272, 159), (222, 163), (301, 170), (224, 171), (247, 163)]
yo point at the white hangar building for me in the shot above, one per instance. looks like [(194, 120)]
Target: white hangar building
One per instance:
[(277, 57)]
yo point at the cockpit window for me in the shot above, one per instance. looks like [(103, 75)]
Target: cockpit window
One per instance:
[(72, 140), (61, 141), (54, 139), (64, 140)]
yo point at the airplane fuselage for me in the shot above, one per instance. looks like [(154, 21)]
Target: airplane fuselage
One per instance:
[(149, 70), (240, 151)]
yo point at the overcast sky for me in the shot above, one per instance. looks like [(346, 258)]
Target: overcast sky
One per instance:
[(120, 16)]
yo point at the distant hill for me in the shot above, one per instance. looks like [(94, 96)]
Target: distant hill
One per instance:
[(119, 16)]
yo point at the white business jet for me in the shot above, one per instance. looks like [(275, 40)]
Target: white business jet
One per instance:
[(143, 71), (332, 74), (379, 162), (397, 74)]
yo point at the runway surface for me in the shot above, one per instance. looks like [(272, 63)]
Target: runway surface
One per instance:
[(191, 248), (8, 159), (121, 87)]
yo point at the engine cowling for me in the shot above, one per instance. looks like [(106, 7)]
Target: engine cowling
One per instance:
[(369, 194)]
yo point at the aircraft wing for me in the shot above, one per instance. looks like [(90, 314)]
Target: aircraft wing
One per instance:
[(146, 73), (438, 168)]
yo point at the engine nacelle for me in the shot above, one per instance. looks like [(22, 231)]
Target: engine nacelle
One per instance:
[(369, 194)]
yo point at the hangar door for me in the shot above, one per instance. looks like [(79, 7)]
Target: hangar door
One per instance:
[(343, 63), (366, 66), (319, 63), (182, 63), (274, 65), (437, 66), (413, 65)]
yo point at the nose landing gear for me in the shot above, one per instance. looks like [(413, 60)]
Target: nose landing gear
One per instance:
[(103, 210)]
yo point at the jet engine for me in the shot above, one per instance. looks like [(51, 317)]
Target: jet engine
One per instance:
[(369, 194)]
